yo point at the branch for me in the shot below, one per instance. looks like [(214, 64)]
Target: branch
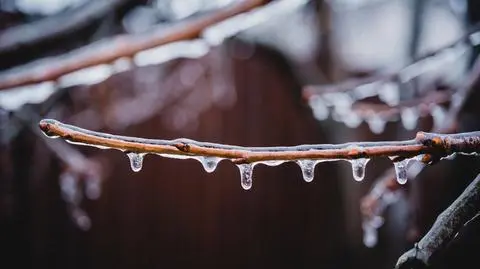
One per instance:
[(399, 75), (375, 201), (445, 228), (307, 156), (105, 51), (51, 27)]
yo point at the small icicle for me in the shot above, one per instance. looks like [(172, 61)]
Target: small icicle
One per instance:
[(246, 173), (376, 124), (209, 163), (358, 168), (401, 170), (409, 116), (136, 160), (319, 107), (308, 169)]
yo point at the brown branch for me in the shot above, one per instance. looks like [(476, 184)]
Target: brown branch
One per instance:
[(445, 228), (424, 143), (105, 51), (375, 202), (351, 84), (53, 26)]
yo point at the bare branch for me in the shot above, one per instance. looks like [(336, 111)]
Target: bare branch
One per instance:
[(445, 228), (105, 51)]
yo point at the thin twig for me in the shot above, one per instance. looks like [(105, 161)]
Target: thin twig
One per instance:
[(388, 183), (351, 84), (445, 228), (105, 51), (424, 143)]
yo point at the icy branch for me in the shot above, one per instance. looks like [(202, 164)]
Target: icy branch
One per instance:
[(427, 145), (106, 51), (403, 74), (51, 27), (445, 228)]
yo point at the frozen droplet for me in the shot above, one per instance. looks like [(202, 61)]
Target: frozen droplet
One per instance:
[(93, 187), (376, 124), (81, 219), (136, 161), (409, 116), (358, 168), (319, 107), (389, 93), (209, 163), (352, 120), (370, 236), (401, 170), (438, 114), (246, 173), (308, 169)]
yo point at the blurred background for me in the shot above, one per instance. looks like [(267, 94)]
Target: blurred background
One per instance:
[(241, 72)]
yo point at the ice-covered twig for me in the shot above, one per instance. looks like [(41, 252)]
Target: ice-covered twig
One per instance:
[(106, 51), (374, 203), (470, 37), (30, 34), (429, 145), (438, 145), (445, 228)]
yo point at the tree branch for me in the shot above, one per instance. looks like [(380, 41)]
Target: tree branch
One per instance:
[(51, 27), (445, 228), (425, 143), (105, 51)]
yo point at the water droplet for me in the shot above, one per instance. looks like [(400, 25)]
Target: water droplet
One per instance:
[(246, 173), (308, 169), (136, 161), (209, 163), (409, 116), (358, 168), (401, 171)]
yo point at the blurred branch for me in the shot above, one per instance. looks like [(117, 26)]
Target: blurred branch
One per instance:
[(54, 26), (445, 228), (425, 143), (374, 202), (399, 75), (105, 51)]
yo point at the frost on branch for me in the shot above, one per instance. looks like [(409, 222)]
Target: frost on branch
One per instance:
[(435, 146)]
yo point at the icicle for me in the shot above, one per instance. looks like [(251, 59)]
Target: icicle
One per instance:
[(370, 230), (136, 161), (352, 120), (308, 169), (390, 93), (376, 124), (93, 187), (358, 168), (319, 107), (81, 219), (401, 170), (409, 117), (209, 163), (246, 173)]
